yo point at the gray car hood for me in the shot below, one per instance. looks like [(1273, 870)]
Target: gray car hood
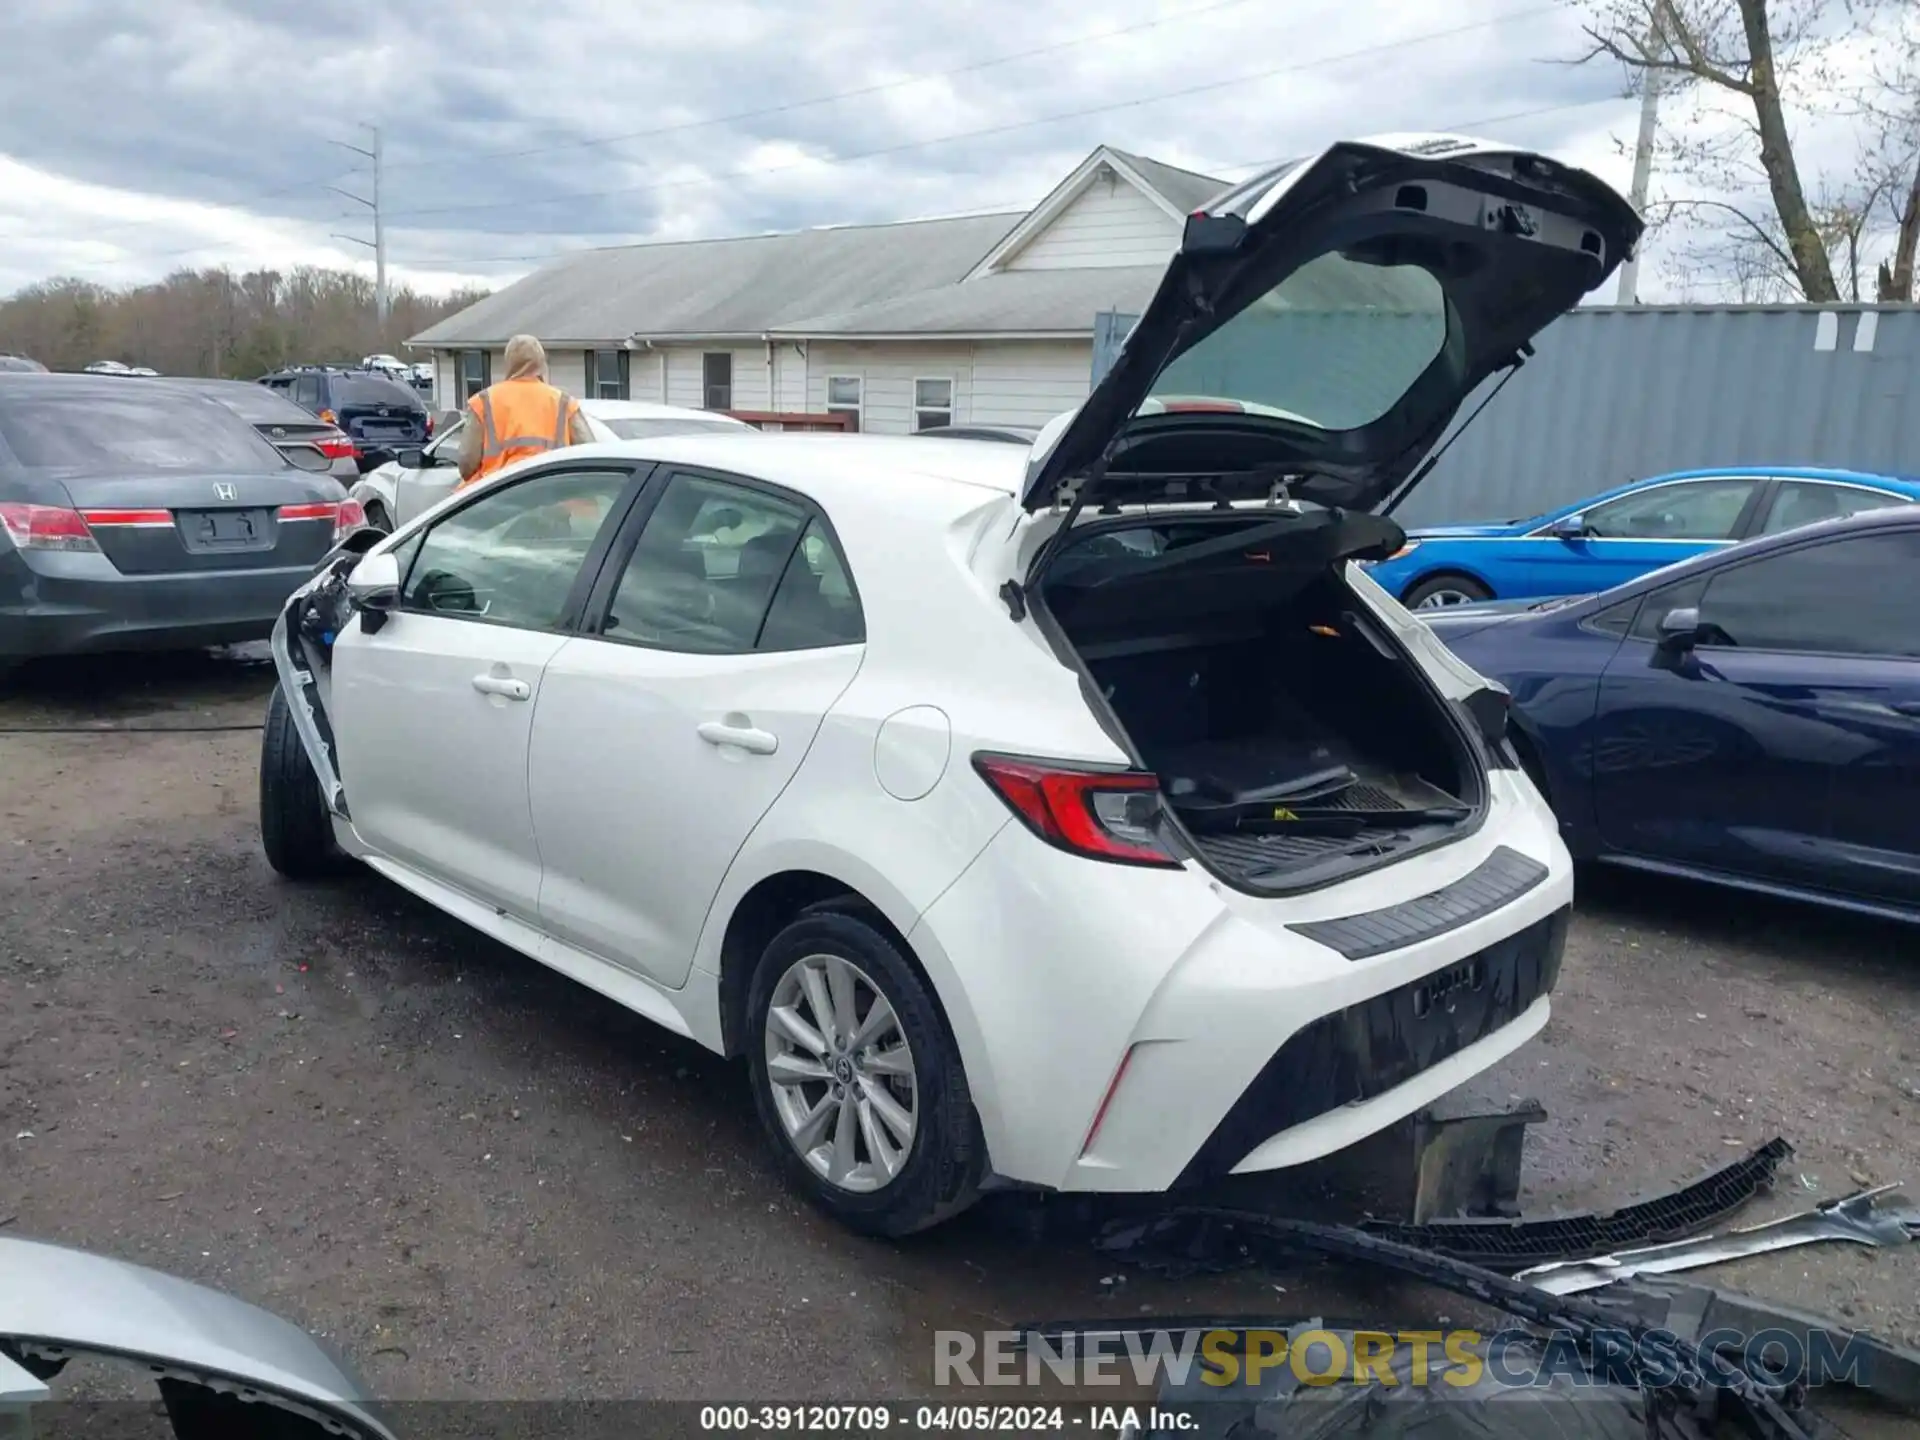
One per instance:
[(54, 1301)]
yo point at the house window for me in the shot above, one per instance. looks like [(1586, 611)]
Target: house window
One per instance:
[(607, 374), (932, 403), (716, 380), (476, 373), (843, 396)]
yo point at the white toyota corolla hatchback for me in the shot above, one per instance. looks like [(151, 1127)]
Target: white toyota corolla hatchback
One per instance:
[(1080, 819)]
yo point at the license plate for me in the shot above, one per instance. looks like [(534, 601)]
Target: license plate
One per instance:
[(225, 529)]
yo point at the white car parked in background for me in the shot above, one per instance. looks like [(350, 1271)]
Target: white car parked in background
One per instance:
[(1079, 818), (416, 481)]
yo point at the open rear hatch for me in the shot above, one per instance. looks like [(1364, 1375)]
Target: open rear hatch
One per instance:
[(1310, 343)]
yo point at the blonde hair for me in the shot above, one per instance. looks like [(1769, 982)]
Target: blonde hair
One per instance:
[(526, 356)]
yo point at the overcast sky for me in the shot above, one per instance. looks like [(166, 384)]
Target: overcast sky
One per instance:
[(138, 137)]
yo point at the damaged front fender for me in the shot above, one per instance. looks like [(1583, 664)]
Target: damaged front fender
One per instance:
[(303, 638)]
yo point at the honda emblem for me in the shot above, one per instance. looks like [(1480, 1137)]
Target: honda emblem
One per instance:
[(226, 492)]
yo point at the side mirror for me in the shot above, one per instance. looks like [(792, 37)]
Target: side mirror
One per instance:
[(373, 589), (1680, 629), (414, 459), (1569, 527)]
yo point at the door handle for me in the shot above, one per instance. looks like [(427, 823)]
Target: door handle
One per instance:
[(500, 685), (746, 737)]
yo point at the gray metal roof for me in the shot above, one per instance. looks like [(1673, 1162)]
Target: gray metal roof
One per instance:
[(1012, 302), (743, 286), (1186, 190)]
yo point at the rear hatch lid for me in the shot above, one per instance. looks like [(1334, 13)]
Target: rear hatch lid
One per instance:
[(377, 412), (1322, 323)]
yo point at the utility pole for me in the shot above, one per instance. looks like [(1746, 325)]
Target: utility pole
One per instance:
[(381, 301), (1629, 291)]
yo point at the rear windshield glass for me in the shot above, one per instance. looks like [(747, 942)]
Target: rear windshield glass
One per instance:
[(371, 390), (130, 431), (647, 429), (1335, 345), (256, 404)]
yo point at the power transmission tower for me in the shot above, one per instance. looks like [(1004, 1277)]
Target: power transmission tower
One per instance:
[(378, 244)]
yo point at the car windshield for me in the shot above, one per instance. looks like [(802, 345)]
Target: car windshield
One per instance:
[(136, 429), (647, 429), (371, 390), (1334, 346)]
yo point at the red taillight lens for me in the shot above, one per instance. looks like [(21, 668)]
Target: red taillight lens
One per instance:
[(429, 427), (337, 446), (1102, 814), (46, 527), (352, 517)]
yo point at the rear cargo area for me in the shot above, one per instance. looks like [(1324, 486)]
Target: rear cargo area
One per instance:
[(1293, 742)]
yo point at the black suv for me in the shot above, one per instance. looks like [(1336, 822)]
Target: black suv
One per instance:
[(381, 416)]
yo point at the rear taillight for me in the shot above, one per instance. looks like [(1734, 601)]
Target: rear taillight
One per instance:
[(337, 446), (346, 516), (1102, 814), (352, 517), (46, 527), (429, 426)]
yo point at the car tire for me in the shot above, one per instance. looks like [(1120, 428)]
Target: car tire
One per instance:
[(939, 1173), (1442, 590), (294, 828)]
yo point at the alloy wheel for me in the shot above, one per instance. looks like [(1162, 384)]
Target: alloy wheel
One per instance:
[(841, 1073), (1440, 599)]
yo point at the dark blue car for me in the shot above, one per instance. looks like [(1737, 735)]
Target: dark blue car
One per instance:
[(1750, 716)]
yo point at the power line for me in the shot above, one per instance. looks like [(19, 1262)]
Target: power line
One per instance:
[(789, 107), (1008, 128), (1251, 166)]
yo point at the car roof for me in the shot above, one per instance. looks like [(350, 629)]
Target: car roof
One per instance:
[(97, 383), (834, 469), (1903, 484), (651, 410)]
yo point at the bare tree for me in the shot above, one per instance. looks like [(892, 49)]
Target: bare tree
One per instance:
[(1755, 51), (1892, 162), (212, 322)]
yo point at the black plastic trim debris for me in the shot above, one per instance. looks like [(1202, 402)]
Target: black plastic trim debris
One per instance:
[(1501, 878), (1704, 1376), (1514, 1244)]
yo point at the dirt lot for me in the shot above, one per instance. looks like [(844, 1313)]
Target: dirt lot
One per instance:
[(481, 1180)]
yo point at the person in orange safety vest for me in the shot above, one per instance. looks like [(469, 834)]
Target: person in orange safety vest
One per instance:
[(518, 417)]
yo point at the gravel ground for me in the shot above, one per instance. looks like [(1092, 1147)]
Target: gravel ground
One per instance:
[(483, 1181)]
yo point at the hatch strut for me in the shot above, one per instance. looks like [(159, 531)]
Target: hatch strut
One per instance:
[(1520, 357)]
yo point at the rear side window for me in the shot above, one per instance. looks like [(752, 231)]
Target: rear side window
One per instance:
[(371, 390), (143, 430), (815, 606)]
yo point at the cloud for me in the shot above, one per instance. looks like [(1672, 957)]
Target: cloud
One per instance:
[(141, 137)]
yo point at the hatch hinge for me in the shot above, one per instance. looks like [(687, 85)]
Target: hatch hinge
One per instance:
[(1015, 594)]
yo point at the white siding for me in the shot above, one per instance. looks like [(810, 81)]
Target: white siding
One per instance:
[(446, 380), (1028, 382), (1109, 223), (887, 373), (750, 380), (566, 369), (790, 377), (647, 376)]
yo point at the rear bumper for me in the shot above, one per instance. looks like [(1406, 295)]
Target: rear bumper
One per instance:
[(1247, 1045), (54, 603)]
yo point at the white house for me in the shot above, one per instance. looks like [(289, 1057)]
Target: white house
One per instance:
[(984, 319)]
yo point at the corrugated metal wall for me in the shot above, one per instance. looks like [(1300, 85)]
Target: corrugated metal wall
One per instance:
[(1620, 394)]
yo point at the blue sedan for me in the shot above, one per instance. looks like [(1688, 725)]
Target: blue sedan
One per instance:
[(1750, 717), (1608, 539)]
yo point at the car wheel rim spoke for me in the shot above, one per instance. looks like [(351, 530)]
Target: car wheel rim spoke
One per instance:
[(840, 1072)]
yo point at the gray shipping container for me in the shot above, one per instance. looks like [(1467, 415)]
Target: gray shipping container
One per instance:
[(1619, 394)]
